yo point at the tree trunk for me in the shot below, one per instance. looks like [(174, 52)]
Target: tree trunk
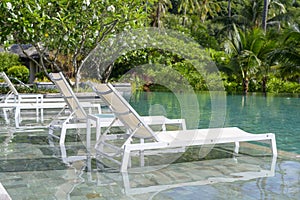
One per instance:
[(264, 84), (265, 15), (107, 73), (229, 8), (245, 85), (184, 17), (157, 22), (77, 81)]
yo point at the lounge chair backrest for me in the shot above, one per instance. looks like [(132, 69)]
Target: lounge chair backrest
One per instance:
[(123, 110), (68, 95), (9, 83)]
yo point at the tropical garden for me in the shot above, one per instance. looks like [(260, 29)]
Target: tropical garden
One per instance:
[(255, 44)]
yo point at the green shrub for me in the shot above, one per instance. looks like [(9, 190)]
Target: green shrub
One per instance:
[(277, 85), (20, 72), (291, 87), (41, 76), (8, 60)]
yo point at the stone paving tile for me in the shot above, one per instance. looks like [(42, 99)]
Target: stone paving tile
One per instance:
[(42, 175)]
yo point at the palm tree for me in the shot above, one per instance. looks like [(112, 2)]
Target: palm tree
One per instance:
[(245, 49), (258, 13), (187, 6), (162, 7), (265, 15), (229, 8), (288, 56), (274, 13), (252, 11), (247, 18), (208, 7), (264, 55)]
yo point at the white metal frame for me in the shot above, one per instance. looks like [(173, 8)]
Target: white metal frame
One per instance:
[(16, 102), (77, 118), (13, 96), (136, 127)]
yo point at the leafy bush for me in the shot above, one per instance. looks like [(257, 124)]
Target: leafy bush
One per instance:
[(8, 60), (42, 77), (292, 87), (277, 85), (231, 83), (20, 72)]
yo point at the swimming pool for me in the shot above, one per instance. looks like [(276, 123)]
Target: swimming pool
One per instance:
[(254, 113), (31, 168)]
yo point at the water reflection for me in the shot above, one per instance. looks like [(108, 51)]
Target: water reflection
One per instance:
[(168, 180)]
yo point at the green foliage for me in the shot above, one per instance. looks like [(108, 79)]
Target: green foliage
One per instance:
[(20, 72), (8, 60), (70, 30), (249, 51), (171, 21), (152, 66), (202, 35), (155, 66), (277, 85), (41, 76), (231, 83), (288, 55), (33, 89), (66, 28)]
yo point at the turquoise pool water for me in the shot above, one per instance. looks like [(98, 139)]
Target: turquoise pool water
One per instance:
[(33, 168), (254, 113)]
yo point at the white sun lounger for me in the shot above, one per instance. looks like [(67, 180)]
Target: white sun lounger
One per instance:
[(19, 102), (78, 116), (13, 96), (151, 140)]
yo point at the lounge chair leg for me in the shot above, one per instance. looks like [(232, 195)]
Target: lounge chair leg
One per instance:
[(126, 182), (37, 114), (129, 161), (142, 157), (89, 166), (5, 115), (125, 160), (273, 145), (164, 128), (183, 124), (98, 128), (42, 115), (62, 135), (17, 117), (63, 152), (88, 135), (237, 147)]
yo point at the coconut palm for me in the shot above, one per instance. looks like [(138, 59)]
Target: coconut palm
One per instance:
[(288, 56), (187, 6), (265, 15), (229, 8), (248, 17), (274, 13), (209, 7), (245, 48), (162, 7), (267, 64)]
